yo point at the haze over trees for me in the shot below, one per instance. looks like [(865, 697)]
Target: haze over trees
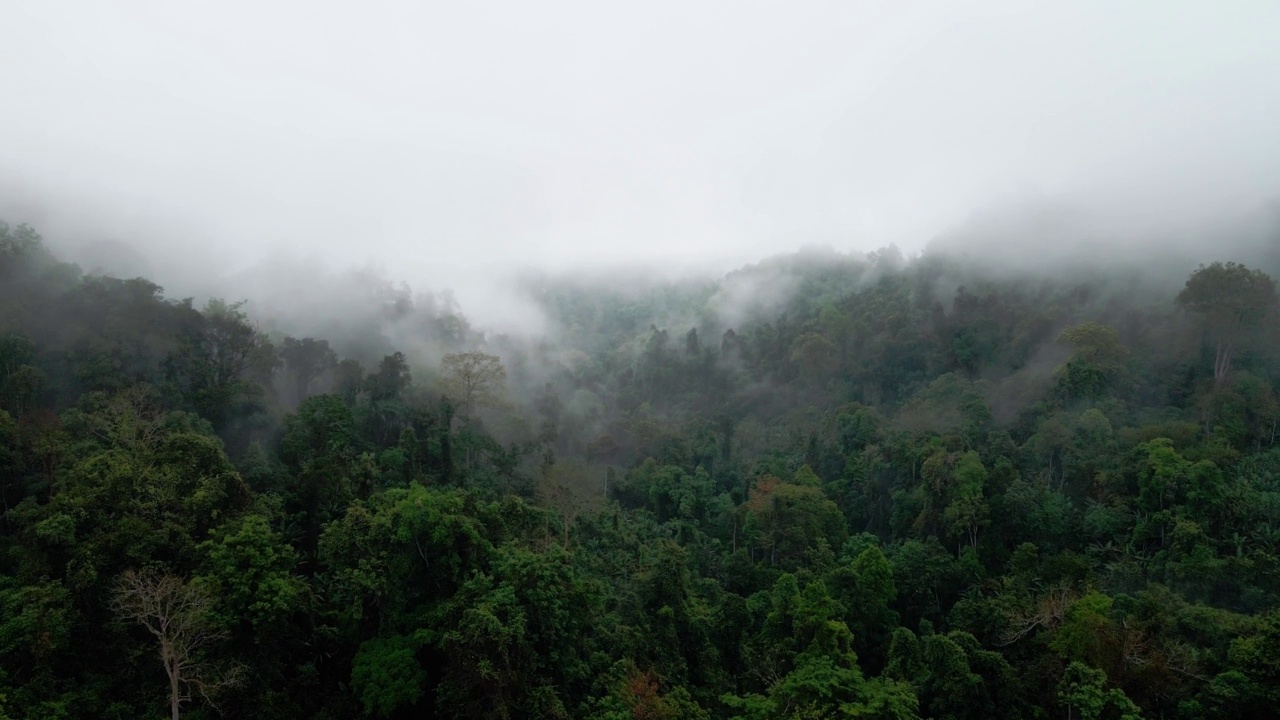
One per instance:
[(1232, 302), (821, 486)]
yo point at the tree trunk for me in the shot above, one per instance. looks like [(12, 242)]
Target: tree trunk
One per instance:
[(175, 698), (1221, 362), (175, 680)]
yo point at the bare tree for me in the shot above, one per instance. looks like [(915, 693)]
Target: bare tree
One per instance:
[(177, 614), (1047, 612)]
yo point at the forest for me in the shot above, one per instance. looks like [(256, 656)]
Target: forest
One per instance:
[(825, 485)]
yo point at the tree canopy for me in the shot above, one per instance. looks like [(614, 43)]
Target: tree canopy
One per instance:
[(902, 489)]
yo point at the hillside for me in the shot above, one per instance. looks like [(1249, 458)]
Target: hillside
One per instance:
[(821, 486)]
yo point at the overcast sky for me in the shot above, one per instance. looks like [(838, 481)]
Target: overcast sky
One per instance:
[(437, 138)]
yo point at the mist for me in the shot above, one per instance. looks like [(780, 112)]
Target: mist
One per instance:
[(596, 360), (456, 147)]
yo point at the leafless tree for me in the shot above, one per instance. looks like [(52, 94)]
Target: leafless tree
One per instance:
[(1048, 611), (177, 614)]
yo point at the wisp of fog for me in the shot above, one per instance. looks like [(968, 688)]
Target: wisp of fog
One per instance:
[(454, 145)]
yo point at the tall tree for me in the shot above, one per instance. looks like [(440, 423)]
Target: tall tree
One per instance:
[(217, 359), (569, 487), (474, 379), (1231, 300), (307, 359), (1097, 360), (177, 614), (392, 378), (968, 511)]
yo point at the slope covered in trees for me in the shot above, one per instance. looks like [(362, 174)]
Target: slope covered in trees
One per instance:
[(820, 487)]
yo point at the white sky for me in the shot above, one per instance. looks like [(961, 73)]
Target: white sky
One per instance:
[(441, 138)]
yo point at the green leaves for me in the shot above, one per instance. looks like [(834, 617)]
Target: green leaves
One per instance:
[(786, 520), (474, 380), (392, 562), (1231, 300), (1229, 293), (967, 511), (514, 638), (810, 653), (1098, 360), (248, 568), (386, 675), (1083, 691), (150, 493)]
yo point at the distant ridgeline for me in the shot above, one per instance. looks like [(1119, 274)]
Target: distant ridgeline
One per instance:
[(823, 486)]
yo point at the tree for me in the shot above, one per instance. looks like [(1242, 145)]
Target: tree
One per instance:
[(385, 675), (18, 246), (8, 461), (1231, 299), (812, 669), (1251, 685), (249, 568), (568, 487), (177, 614), (320, 448), (215, 358), (787, 520), (1083, 690), (348, 377), (17, 353), (1097, 360), (474, 379), (234, 346), (815, 356), (1098, 345), (388, 415), (968, 510), (307, 359), (391, 379), (514, 639), (866, 589)]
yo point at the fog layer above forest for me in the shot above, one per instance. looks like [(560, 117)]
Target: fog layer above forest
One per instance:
[(230, 149), (299, 293)]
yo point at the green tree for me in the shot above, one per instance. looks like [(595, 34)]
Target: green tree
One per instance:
[(474, 379), (1097, 360), (307, 359), (967, 511), (1084, 692), (248, 569), (1231, 300), (386, 675), (815, 356), (865, 588), (786, 520), (821, 677), (320, 448), (569, 487)]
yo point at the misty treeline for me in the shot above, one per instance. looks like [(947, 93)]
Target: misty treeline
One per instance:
[(823, 486)]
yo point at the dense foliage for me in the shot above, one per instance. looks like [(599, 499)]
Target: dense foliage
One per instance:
[(822, 487)]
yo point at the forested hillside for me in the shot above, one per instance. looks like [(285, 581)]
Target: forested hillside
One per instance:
[(823, 486)]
